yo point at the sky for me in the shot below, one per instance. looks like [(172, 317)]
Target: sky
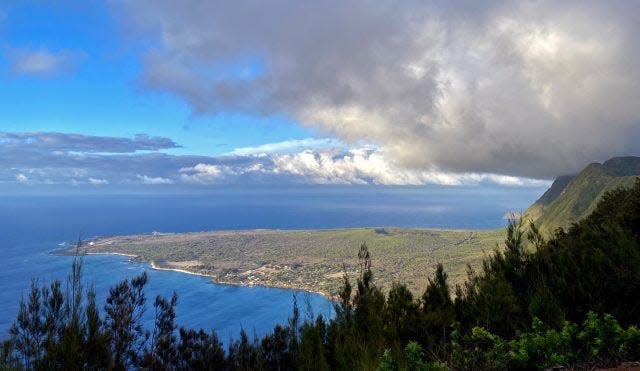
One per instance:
[(162, 93)]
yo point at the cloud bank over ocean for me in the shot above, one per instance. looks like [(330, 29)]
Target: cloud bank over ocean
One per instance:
[(71, 159), (533, 89)]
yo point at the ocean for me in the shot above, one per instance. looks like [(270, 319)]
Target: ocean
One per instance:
[(31, 226)]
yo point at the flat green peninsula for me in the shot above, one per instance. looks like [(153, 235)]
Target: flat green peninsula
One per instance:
[(311, 260)]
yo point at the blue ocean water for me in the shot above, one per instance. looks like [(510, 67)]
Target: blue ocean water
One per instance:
[(31, 226)]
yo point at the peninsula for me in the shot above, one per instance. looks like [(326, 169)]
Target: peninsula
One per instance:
[(311, 260)]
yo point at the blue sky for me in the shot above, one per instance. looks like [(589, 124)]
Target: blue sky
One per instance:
[(101, 96), (347, 92)]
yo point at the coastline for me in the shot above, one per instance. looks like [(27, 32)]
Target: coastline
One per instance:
[(155, 266), (111, 253), (311, 261)]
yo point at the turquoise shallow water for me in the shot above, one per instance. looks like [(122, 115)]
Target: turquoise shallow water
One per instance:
[(32, 226)]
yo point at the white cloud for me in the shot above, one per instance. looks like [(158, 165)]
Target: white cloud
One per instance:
[(42, 62), (96, 181), (21, 178), (294, 145), (154, 180), (369, 165), (203, 173)]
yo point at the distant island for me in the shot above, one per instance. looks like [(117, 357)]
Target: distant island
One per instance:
[(311, 260)]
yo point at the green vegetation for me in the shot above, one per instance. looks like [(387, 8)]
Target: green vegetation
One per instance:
[(311, 260), (599, 341), (572, 198), (572, 302)]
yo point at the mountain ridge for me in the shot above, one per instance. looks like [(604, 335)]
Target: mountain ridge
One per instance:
[(572, 197)]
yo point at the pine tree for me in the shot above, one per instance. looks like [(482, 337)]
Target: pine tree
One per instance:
[(401, 318), (124, 309), (368, 307), (96, 347), (28, 332), (200, 351), (163, 354), (438, 314)]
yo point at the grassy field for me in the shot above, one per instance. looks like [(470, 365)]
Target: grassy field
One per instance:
[(312, 260)]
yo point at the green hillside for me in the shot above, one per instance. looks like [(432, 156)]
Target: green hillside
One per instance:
[(573, 197)]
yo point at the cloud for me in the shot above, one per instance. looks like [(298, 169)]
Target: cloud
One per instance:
[(154, 180), (67, 142), (43, 63), (372, 166), (286, 146), (204, 173), (56, 158), (94, 181), (21, 178), (67, 158), (533, 89), (365, 165)]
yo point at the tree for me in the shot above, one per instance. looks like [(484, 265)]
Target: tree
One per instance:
[(438, 314), (368, 303), (28, 332), (124, 309), (312, 352), (8, 360), (66, 321), (401, 318), (244, 355), (198, 350), (96, 347), (163, 354)]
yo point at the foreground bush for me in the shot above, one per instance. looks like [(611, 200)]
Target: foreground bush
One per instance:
[(598, 342)]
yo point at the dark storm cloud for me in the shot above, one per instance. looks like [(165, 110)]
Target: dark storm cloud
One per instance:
[(535, 88)]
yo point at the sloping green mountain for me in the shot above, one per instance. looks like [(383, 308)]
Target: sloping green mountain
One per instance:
[(573, 197)]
